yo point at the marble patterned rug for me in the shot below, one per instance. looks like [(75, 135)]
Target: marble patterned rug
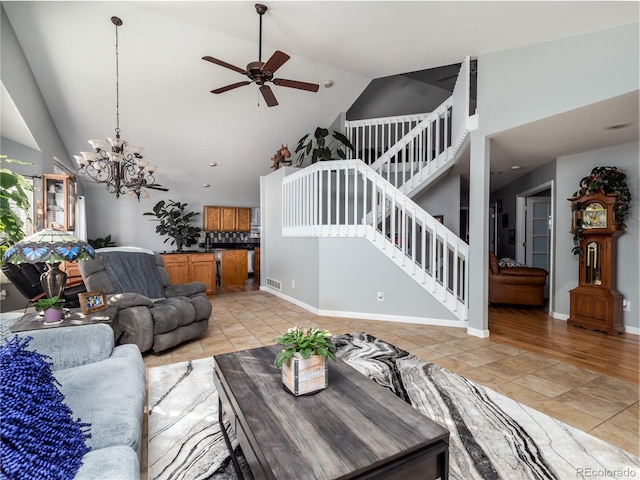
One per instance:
[(492, 436)]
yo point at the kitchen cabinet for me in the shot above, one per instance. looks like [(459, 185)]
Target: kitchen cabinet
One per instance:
[(59, 199), (227, 219), (234, 267), (192, 267)]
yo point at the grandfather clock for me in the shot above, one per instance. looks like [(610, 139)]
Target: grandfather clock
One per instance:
[(595, 303)]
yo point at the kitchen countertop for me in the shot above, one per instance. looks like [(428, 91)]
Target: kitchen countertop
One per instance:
[(221, 246)]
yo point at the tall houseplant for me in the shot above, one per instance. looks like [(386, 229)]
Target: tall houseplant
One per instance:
[(13, 189), (606, 180), (176, 223), (319, 147)]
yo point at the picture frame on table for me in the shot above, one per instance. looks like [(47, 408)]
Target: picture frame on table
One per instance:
[(91, 302)]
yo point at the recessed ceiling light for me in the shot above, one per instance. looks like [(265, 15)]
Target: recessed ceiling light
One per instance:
[(328, 84), (515, 167), (617, 126), (206, 185), (213, 164)]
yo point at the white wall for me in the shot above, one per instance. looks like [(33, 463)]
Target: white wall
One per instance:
[(443, 198), (570, 170), (529, 84)]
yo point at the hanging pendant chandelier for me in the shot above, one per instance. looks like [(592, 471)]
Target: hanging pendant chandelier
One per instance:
[(114, 162)]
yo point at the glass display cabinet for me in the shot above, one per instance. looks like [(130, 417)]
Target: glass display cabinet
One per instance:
[(59, 199)]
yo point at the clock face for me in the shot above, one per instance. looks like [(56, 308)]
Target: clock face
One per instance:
[(595, 216)]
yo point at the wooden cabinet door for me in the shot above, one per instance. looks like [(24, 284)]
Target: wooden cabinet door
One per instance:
[(203, 269), (244, 220), (177, 266), (212, 219), (234, 267), (229, 219)]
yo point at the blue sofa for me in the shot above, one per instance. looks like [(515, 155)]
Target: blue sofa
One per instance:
[(104, 385)]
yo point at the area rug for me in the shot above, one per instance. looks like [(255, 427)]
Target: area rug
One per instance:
[(492, 436)]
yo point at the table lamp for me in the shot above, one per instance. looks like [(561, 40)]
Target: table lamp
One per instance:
[(50, 246)]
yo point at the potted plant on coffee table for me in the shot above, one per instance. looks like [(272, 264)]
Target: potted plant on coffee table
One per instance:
[(52, 308), (303, 359), (319, 147)]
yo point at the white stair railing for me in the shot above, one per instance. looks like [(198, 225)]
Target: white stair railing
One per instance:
[(429, 146), (344, 199)]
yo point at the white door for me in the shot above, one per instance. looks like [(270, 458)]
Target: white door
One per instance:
[(538, 234)]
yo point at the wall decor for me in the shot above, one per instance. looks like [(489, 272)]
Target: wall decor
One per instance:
[(512, 237), (499, 206), (505, 220)]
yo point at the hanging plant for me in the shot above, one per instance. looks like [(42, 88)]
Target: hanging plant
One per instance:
[(608, 181)]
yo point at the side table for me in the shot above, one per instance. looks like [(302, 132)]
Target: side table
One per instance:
[(72, 317)]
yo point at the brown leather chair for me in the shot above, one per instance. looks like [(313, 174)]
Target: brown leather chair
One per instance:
[(515, 285)]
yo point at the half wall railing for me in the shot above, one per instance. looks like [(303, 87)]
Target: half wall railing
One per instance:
[(411, 151), (345, 198)]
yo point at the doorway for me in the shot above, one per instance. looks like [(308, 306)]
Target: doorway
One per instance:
[(535, 231)]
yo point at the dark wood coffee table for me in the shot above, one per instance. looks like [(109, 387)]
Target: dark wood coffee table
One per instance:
[(354, 429)]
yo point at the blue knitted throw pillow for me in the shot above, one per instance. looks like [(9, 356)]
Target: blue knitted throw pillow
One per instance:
[(39, 438)]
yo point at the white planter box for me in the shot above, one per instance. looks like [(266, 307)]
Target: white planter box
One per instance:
[(303, 376)]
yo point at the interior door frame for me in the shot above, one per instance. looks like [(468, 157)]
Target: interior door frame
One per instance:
[(521, 203)]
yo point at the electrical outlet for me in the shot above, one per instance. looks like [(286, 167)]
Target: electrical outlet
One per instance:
[(626, 305), (380, 296)]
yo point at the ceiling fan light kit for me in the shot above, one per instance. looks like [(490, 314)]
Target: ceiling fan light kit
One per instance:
[(122, 169), (260, 72)]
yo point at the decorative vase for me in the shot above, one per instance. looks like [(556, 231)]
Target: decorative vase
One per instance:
[(304, 376), (52, 315)]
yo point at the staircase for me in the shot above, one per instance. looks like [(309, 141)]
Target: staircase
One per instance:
[(369, 197)]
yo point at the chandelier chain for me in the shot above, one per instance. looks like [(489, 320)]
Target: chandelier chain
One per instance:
[(117, 87)]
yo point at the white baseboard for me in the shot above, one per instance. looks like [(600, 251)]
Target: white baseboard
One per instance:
[(478, 333), (368, 316)]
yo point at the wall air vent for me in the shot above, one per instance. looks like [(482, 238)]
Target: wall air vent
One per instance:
[(277, 284)]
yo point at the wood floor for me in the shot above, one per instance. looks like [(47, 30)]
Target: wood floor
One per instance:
[(533, 329)]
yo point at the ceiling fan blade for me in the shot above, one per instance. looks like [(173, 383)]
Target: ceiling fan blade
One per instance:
[(283, 82), (231, 87), (225, 64), (275, 62), (268, 95)]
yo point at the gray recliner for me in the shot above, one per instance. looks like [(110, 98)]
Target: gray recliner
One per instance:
[(152, 313)]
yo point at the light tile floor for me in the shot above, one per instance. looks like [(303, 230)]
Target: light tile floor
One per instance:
[(603, 406)]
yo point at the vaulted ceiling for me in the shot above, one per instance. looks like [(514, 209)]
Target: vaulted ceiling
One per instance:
[(165, 100)]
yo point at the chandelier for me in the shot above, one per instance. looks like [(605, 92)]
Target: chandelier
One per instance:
[(114, 162)]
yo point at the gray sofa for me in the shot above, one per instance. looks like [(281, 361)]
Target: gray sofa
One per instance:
[(153, 314), (104, 385)]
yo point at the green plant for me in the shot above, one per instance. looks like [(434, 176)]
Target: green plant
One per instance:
[(101, 242), (176, 223), (606, 180), (318, 147), (13, 189), (53, 302), (307, 342)]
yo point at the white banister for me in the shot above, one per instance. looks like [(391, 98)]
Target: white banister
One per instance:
[(410, 151), (346, 198)]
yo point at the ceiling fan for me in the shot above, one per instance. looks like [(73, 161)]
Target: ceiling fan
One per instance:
[(260, 72)]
